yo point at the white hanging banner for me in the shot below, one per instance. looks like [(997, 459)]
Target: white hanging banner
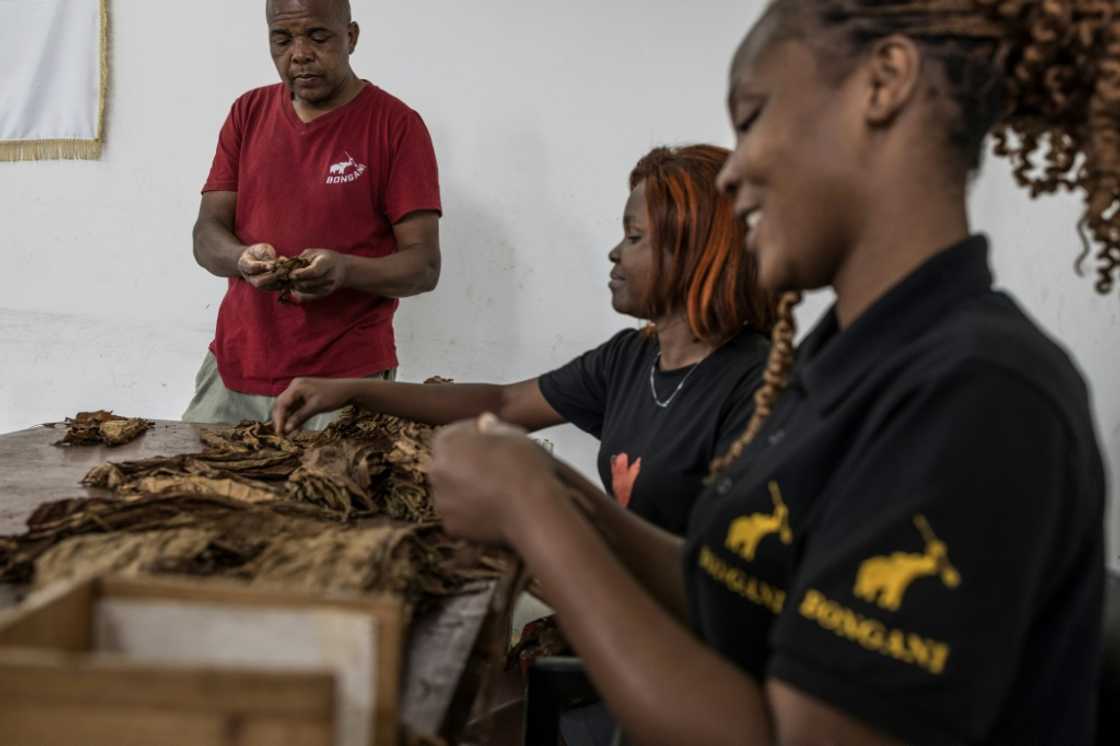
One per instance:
[(55, 78)]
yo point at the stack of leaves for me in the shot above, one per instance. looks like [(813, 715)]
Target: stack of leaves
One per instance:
[(280, 544), (400, 448), (362, 465), (102, 428), (283, 269), (345, 509)]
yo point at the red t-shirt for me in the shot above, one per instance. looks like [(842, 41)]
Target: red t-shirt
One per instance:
[(339, 182)]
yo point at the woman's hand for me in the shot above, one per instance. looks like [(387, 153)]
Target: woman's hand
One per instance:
[(486, 476), (306, 397)]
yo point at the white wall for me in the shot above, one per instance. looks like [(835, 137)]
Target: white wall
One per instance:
[(538, 111)]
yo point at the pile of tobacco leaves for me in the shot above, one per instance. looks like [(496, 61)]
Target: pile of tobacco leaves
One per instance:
[(362, 465), (283, 269), (102, 428), (347, 508)]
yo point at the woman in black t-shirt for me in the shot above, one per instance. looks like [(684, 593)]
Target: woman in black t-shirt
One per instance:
[(663, 401), (907, 544)]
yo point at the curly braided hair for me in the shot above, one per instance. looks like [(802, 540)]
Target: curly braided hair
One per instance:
[(1041, 76), (774, 380)]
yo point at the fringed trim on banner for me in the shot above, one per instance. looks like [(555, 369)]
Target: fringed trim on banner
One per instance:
[(54, 150), (104, 92), (49, 150)]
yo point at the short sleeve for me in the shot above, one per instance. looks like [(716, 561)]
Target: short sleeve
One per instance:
[(922, 572), (578, 391), (224, 170), (413, 183)]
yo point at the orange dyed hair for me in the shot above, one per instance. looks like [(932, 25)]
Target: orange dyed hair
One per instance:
[(701, 266)]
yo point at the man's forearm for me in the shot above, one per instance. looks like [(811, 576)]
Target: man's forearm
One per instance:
[(400, 275), (216, 248)]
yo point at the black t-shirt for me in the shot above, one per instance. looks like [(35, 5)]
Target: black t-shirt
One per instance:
[(916, 536), (654, 459)]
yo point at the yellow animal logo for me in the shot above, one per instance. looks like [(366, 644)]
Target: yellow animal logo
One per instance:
[(745, 533), (884, 580)]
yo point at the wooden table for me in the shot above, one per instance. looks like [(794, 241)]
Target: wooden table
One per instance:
[(441, 643)]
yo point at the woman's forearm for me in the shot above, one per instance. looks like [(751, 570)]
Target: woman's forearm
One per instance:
[(430, 403), (651, 554), (663, 685), (520, 404)]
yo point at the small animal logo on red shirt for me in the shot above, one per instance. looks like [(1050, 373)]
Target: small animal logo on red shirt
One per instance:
[(346, 171), (623, 476)]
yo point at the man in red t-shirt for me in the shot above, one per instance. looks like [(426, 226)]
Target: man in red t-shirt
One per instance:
[(328, 167)]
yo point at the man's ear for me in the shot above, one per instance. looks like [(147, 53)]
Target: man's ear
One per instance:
[(354, 31), (894, 72)]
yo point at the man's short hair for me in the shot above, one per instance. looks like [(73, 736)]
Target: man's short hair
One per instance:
[(340, 8), (343, 7)]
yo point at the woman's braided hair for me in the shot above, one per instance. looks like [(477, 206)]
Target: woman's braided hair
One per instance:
[(774, 379), (1041, 76)]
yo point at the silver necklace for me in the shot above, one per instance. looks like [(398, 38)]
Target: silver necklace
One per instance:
[(677, 390)]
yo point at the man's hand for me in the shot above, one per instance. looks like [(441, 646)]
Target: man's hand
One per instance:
[(325, 275), (255, 266), (485, 476), (306, 397)]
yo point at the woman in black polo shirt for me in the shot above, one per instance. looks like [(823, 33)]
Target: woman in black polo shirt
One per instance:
[(907, 543), (663, 401)]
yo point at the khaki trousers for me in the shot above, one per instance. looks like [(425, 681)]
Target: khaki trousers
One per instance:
[(213, 403)]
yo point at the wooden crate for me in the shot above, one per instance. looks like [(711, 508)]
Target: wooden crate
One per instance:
[(108, 662)]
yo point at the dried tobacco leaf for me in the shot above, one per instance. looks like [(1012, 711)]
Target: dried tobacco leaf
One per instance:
[(283, 269), (363, 464), (232, 487), (115, 553), (103, 428), (337, 475), (267, 466), (406, 501), (105, 476), (54, 522), (348, 508), (253, 437), (281, 544)]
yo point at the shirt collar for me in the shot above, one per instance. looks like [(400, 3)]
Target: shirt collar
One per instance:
[(831, 362)]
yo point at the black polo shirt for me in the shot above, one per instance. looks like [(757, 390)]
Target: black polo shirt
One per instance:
[(916, 536), (654, 459)]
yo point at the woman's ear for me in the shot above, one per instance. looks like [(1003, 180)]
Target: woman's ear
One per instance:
[(894, 70)]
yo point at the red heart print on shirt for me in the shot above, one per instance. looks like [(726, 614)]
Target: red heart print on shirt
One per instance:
[(623, 476)]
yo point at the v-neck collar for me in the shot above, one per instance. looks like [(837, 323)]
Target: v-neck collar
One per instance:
[(288, 105)]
